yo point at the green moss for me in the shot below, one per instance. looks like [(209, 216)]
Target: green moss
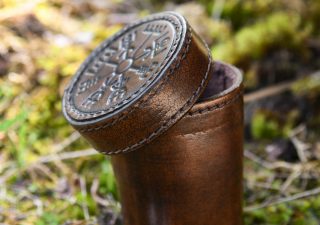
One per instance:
[(310, 85), (264, 127), (32, 124), (251, 42), (49, 219)]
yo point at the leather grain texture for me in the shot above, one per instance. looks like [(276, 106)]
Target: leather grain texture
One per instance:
[(124, 125), (191, 174), (154, 88)]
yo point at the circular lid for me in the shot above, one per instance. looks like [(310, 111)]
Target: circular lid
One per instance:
[(137, 83)]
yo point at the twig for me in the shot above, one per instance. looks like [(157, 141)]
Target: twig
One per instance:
[(84, 196), (66, 142), (294, 197), (47, 159), (294, 175), (274, 89), (67, 155), (45, 170), (9, 173), (250, 155), (266, 164), (268, 91), (300, 146), (96, 197)]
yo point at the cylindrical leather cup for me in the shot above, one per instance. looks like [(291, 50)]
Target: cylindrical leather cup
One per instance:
[(171, 119), (192, 174), (138, 83)]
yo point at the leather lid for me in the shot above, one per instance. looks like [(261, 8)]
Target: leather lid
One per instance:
[(138, 83)]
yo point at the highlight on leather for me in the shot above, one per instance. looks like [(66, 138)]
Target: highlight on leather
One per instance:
[(172, 119), (192, 173), (138, 83)]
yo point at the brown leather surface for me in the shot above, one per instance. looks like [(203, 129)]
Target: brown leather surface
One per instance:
[(179, 84), (191, 174), (184, 119)]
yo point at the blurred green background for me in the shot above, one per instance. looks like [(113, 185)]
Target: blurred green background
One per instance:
[(49, 175)]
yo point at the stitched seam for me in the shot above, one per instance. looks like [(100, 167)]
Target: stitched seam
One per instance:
[(167, 123), (98, 52), (173, 68), (215, 107), (72, 108)]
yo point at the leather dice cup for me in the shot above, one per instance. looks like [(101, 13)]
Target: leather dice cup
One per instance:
[(172, 119)]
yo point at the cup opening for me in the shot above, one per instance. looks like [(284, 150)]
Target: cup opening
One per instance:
[(224, 79)]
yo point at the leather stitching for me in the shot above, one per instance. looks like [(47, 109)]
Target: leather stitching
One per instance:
[(215, 107), (173, 68), (72, 108), (167, 123)]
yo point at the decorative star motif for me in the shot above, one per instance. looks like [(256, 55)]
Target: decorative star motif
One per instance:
[(131, 57)]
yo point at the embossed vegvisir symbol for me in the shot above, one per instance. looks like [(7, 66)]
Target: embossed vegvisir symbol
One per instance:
[(124, 66)]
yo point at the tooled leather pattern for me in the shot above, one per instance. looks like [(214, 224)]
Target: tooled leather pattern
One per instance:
[(123, 115), (69, 103), (167, 123), (90, 129)]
